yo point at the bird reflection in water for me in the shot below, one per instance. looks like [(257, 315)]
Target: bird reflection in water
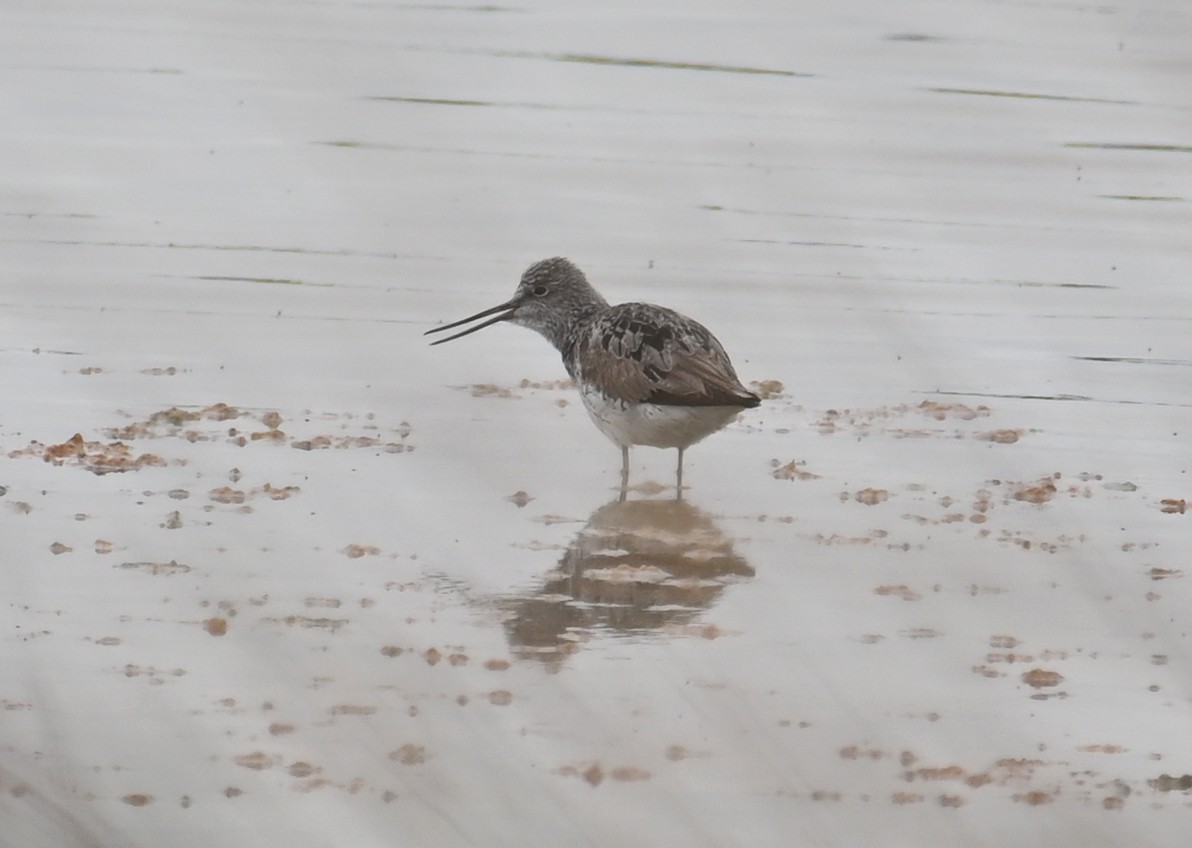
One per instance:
[(637, 567)]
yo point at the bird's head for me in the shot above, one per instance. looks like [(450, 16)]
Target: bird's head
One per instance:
[(551, 294)]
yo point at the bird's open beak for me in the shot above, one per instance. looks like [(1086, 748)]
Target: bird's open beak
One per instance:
[(502, 313)]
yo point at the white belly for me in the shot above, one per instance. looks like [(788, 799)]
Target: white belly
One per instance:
[(652, 424)]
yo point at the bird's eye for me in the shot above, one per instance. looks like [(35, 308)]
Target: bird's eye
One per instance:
[(540, 291)]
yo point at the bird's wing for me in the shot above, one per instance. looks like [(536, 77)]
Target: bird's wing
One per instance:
[(642, 353)]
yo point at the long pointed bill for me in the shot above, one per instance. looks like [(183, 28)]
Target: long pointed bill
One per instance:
[(505, 310)]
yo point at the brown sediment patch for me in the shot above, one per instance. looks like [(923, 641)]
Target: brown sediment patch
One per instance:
[(1169, 783), (629, 774), (519, 498), (409, 754), (500, 697), (871, 497), (952, 772), (793, 470), (96, 457), (1037, 493), (1000, 437), (354, 709), (229, 495), (306, 622), (857, 752), (216, 626), (1034, 798), (166, 568), (898, 591), (865, 421), (257, 761), (356, 551), (170, 421), (1041, 678)]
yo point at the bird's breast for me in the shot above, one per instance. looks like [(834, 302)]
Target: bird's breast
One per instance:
[(628, 422)]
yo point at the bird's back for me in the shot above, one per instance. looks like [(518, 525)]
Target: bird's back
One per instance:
[(642, 353)]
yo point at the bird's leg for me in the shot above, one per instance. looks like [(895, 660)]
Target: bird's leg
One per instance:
[(679, 478), (624, 471)]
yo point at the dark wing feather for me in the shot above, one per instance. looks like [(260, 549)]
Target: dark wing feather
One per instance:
[(643, 353)]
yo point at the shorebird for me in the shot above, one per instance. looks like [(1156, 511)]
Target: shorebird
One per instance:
[(647, 374)]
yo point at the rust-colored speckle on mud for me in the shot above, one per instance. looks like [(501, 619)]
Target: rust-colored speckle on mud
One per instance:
[(227, 495), (216, 626), (96, 457), (1041, 678), (1036, 493)]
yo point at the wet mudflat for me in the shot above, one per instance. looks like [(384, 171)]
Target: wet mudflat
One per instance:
[(275, 572)]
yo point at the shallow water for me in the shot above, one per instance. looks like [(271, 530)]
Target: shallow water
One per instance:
[(302, 579)]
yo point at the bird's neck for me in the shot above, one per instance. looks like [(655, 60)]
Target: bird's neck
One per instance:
[(567, 327)]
